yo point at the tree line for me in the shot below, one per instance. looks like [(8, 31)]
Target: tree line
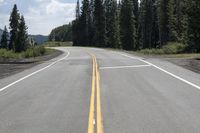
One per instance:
[(17, 38), (61, 33), (131, 25)]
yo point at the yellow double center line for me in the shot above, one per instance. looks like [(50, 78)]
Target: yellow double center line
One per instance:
[(95, 94)]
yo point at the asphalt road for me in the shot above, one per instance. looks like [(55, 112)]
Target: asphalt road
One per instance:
[(121, 93)]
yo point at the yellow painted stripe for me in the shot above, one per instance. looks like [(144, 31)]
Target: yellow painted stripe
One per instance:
[(98, 105), (95, 88), (92, 100)]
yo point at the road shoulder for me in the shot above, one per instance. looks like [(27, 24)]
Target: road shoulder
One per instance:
[(13, 67)]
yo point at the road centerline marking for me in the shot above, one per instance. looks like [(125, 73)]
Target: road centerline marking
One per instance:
[(121, 67), (165, 71), (34, 73), (95, 94), (98, 96), (91, 120)]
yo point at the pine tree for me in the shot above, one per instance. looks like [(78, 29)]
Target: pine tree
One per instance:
[(4, 39), (177, 20), (78, 10), (76, 26), (91, 27), (14, 24), (193, 29), (148, 26), (136, 14), (22, 36), (163, 21), (99, 22), (155, 26), (84, 23), (136, 9), (112, 24), (119, 6), (127, 26)]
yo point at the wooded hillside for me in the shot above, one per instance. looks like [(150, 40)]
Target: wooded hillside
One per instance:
[(62, 33)]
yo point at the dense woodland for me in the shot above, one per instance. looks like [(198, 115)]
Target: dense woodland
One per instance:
[(61, 34), (131, 25), (17, 38)]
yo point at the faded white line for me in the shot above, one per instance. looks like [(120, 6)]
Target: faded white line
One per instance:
[(165, 71), (21, 79), (121, 67)]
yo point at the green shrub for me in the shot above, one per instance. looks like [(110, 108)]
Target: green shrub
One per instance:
[(152, 51), (31, 52), (173, 48), (34, 52), (8, 54), (58, 44), (170, 48)]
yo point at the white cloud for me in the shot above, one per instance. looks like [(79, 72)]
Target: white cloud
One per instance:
[(55, 7), (45, 15), (2, 2), (48, 15), (4, 20)]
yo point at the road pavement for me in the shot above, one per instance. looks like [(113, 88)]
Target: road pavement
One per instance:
[(121, 93)]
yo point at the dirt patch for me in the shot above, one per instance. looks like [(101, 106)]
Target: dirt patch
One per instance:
[(13, 66), (192, 64)]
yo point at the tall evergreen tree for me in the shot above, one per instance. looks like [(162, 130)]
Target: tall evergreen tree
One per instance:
[(14, 24), (136, 9), (76, 27), (136, 14), (177, 20), (4, 39), (78, 10), (22, 44), (193, 29), (163, 21), (112, 24), (127, 26), (84, 23), (148, 26), (100, 25), (91, 27)]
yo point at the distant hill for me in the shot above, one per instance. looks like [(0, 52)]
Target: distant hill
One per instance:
[(39, 38)]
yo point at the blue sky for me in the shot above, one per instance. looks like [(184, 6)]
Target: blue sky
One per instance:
[(41, 15)]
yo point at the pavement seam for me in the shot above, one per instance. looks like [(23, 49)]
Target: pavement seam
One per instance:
[(121, 67)]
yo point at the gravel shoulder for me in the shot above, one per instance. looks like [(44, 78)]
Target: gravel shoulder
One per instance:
[(187, 61), (13, 66), (192, 64)]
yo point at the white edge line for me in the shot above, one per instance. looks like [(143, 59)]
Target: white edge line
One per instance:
[(165, 71), (119, 67), (21, 79)]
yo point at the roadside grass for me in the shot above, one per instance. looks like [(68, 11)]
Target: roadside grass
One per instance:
[(58, 44), (183, 55), (171, 50), (189, 55), (29, 53)]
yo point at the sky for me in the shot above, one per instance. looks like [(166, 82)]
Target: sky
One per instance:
[(41, 16)]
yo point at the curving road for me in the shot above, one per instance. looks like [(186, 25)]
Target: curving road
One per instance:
[(89, 90)]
